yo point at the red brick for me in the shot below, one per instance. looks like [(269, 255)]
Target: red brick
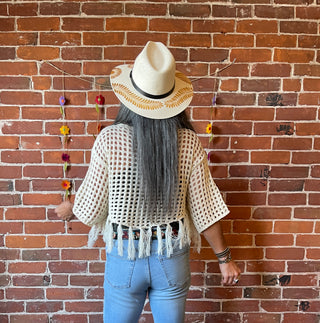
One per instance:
[(307, 69), (80, 254), (271, 40), (311, 84), (238, 305), (23, 213), (208, 55), (252, 226), (289, 172), (68, 267), (42, 199), (59, 9), (70, 318), (45, 142), (43, 113), (41, 82), (9, 142), (65, 293), (259, 85), (7, 53), (83, 24), (229, 40), (127, 23), (292, 85), (254, 114), (7, 24), (282, 12), (296, 113), (285, 253), (302, 293), (70, 241), (9, 112), (307, 129), (222, 26), (23, 9), (161, 24), (306, 213), (298, 27), (189, 10), (14, 82), (250, 143), (286, 185), (103, 38), (27, 267), (250, 55), (55, 157), (22, 127), (279, 306), (293, 55), (307, 240), (309, 98), (10, 172), (308, 157), (272, 157), (38, 24), (287, 199), (139, 38), (229, 85), (14, 39), (44, 228), (47, 307), (20, 241), (73, 98), (305, 317), (265, 266), (271, 70), (314, 198), (231, 11), (257, 26), (60, 39), (72, 68), (83, 53), (307, 41), (202, 306), (190, 40), (20, 97), (232, 184), (229, 157), (86, 306), (274, 240)]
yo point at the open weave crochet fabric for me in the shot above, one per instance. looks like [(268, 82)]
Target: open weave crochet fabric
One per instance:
[(111, 194)]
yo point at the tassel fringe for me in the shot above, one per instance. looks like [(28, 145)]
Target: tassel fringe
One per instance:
[(187, 232)]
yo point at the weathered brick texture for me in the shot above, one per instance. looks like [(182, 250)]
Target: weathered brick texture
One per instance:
[(265, 155)]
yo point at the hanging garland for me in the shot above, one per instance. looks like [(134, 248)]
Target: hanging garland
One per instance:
[(99, 101)]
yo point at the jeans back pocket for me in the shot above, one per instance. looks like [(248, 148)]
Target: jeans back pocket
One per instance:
[(119, 271)]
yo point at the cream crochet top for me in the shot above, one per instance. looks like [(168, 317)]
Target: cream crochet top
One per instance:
[(110, 194)]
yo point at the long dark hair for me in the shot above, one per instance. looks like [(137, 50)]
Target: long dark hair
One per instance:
[(155, 145)]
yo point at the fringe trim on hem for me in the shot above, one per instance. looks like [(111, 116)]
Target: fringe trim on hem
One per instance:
[(186, 233)]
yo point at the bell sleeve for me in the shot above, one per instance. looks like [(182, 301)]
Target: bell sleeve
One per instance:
[(205, 203), (91, 200)]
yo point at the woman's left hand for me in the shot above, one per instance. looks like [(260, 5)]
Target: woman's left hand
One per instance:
[(64, 210), (230, 273)]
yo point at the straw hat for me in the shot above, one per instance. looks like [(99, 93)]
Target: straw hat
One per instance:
[(152, 87)]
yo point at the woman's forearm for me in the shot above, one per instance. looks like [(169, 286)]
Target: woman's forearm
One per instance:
[(214, 236)]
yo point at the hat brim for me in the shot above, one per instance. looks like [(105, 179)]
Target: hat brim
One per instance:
[(163, 108)]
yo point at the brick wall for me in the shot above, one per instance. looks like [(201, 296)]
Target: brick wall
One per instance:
[(265, 156)]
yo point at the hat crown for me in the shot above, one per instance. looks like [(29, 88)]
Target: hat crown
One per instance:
[(154, 69)]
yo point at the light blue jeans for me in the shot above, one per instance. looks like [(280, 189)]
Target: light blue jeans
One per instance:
[(166, 281)]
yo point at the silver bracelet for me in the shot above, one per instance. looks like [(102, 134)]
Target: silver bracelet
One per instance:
[(223, 253), (226, 260)]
